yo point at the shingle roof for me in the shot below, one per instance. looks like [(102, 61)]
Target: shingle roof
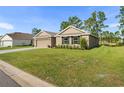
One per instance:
[(20, 36), (51, 33)]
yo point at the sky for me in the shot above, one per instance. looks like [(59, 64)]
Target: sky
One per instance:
[(49, 18)]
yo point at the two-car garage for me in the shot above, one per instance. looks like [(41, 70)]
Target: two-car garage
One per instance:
[(45, 39), (43, 42)]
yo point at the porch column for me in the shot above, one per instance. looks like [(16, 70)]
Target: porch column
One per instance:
[(70, 40)]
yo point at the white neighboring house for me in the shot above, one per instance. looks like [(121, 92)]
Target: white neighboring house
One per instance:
[(16, 39), (0, 40)]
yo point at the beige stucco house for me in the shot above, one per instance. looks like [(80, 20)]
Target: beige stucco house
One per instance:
[(69, 36), (45, 39)]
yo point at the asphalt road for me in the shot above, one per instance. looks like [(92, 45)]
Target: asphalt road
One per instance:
[(6, 81)]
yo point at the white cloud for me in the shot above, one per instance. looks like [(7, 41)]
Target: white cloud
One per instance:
[(113, 25), (6, 26)]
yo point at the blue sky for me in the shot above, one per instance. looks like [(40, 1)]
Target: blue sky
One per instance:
[(23, 19)]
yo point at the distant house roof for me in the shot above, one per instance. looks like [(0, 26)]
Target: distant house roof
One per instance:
[(20, 36)]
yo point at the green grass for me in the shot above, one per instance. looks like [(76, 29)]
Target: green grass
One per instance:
[(102, 66), (14, 47)]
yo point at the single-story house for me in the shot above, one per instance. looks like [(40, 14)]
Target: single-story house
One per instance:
[(16, 39), (45, 39), (69, 36)]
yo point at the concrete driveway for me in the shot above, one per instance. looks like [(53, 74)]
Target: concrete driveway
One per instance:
[(15, 50)]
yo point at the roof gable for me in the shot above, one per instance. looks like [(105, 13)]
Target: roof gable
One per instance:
[(45, 34), (5, 37), (71, 30)]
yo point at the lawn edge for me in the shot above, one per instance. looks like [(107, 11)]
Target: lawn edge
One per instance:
[(22, 78)]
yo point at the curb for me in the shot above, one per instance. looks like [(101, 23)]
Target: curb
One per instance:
[(22, 78)]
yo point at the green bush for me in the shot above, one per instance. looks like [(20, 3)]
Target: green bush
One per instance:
[(83, 43), (74, 47), (78, 47), (67, 46), (70, 47), (58, 46)]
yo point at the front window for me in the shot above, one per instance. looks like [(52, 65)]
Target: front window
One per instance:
[(76, 40), (65, 40)]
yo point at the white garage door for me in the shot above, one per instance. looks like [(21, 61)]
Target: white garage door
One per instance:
[(6, 43)]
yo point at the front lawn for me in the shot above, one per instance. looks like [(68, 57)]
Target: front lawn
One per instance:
[(14, 47), (102, 66)]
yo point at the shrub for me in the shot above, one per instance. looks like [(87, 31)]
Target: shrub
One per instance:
[(67, 46), (74, 47), (120, 44), (70, 47), (61, 46), (64, 46), (83, 43), (78, 47), (58, 46)]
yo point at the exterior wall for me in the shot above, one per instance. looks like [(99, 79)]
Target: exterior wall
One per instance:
[(53, 41), (6, 41), (58, 40), (93, 42), (34, 42), (22, 42)]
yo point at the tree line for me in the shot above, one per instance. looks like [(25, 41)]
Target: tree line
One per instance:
[(95, 24)]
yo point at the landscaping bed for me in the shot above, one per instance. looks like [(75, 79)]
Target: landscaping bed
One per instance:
[(103, 66)]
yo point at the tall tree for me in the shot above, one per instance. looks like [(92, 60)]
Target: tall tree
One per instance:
[(74, 21), (122, 34), (64, 25), (117, 36), (121, 17), (35, 31), (95, 23), (121, 21), (110, 37), (105, 36)]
